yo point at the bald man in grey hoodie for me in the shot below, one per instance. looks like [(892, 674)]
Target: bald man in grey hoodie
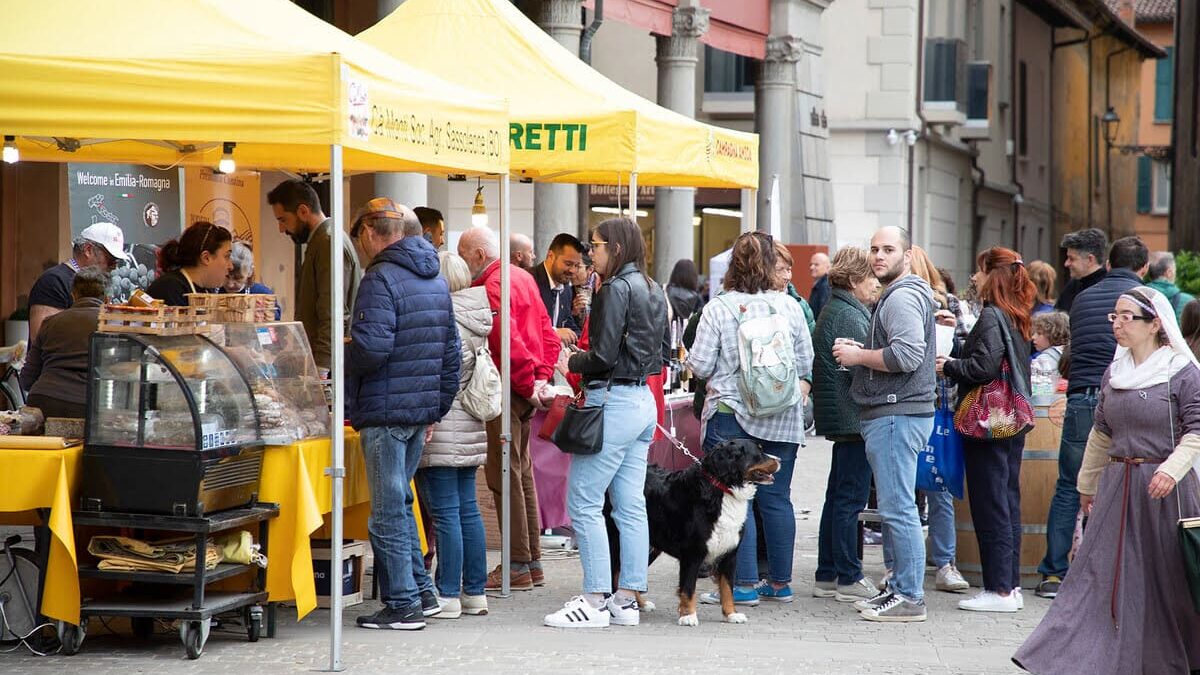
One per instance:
[(894, 387)]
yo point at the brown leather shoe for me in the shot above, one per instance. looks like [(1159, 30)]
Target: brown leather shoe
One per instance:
[(517, 580), (538, 576)]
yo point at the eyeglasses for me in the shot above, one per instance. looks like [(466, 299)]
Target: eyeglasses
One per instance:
[(599, 243), (1126, 317)]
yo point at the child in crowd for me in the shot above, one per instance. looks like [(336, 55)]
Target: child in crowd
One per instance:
[(1051, 333)]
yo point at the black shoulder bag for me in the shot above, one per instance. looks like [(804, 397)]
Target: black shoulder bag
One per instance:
[(581, 431)]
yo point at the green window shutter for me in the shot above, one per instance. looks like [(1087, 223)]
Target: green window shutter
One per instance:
[(1164, 89), (1145, 184)]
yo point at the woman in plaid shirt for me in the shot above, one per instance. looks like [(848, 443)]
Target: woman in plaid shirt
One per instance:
[(751, 285)]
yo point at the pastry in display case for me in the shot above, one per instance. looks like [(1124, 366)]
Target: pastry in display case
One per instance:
[(277, 361), (172, 427)]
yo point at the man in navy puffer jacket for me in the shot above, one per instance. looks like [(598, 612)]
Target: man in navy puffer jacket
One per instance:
[(403, 361), (1092, 349)]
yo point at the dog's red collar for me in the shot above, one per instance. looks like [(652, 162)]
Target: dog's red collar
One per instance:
[(716, 483)]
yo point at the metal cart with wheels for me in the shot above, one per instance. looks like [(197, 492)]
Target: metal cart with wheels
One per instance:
[(194, 613)]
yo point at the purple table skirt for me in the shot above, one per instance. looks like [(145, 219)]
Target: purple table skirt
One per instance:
[(551, 466)]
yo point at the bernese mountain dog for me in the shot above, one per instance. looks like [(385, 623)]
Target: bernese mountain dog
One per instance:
[(696, 516)]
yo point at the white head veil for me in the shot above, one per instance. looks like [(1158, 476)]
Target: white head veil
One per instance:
[(1163, 364)]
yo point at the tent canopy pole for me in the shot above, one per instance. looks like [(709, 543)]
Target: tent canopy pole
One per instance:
[(337, 435)]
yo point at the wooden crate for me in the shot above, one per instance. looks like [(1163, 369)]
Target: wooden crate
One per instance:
[(355, 552), (162, 320), (236, 307)]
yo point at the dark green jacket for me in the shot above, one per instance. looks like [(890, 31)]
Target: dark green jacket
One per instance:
[(834, 409)]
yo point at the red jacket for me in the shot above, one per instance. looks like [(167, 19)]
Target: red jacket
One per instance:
[(535, 345)]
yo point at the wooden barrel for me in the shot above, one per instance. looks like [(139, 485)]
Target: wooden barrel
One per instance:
[(1039, 473)]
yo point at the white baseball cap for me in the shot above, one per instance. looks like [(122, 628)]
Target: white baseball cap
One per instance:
[(109, 236)]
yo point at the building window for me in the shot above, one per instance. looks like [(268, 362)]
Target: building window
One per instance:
[(726, 72), (1022, 110), (1162, 187), (1164, 88)]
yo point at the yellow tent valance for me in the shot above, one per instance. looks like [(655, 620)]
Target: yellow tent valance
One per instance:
[(569, 123), (163, 83)]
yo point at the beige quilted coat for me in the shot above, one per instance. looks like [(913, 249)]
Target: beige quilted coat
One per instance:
[(460, 440)]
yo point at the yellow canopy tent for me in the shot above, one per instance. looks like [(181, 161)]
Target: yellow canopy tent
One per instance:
[(569, 123), (155, 82)]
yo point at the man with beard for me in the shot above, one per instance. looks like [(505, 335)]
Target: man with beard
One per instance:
[(554, 277), (520, 251), (893, 386), (299, 214)]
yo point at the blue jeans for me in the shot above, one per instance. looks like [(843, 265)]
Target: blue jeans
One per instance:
[(774, 506), (619, 470), (392, 455), (461, 542), (942, 536), (892, 446), (1060, 524), (846, 494)]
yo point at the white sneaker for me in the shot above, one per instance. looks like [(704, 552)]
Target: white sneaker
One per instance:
[(1020, 598), (987, 601), (475, 605), (883, 583), (623, 612), (825, 589), (863, 589), (950, 579), (451, 608), (578, 613)]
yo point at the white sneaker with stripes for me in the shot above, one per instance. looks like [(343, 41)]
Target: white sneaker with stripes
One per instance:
[(578, 613)]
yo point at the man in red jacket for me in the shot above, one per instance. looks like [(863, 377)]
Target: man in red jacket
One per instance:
[(534, 351)]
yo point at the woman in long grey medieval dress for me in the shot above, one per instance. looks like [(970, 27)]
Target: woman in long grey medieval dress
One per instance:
[(1124, 608)]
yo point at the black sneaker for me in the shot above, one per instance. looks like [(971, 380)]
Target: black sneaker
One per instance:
[(429, 604), (1049, 587), (394, 619)]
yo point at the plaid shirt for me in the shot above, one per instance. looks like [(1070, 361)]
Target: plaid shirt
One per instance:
[(714, 355)]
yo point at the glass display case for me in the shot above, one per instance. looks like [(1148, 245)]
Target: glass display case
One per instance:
[(171, 428), (277, 361)]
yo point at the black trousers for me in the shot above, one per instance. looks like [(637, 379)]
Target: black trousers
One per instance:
[(993, 471)]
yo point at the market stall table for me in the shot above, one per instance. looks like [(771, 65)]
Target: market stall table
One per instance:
[(293, 477)]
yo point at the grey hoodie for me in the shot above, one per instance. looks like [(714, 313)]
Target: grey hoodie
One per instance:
[(902, 325)]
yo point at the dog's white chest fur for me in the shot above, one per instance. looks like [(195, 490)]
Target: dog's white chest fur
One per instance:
[(727, 531)]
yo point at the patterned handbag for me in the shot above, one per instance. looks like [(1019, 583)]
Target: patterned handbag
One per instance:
[(994, 410)]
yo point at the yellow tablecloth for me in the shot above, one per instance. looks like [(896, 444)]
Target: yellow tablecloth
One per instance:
[(293, 476), (40, 479)]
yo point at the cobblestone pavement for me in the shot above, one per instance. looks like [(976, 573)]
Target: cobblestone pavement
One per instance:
[(809, 635)]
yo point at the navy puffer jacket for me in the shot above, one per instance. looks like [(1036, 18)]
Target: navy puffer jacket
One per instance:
[(403, 358), (1092, 341)]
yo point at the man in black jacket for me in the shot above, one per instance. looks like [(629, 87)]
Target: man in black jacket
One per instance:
[(1092, 349), (554, 277), (1085, 251)]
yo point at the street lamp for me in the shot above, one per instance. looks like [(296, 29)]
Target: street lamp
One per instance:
[(1111, 121)]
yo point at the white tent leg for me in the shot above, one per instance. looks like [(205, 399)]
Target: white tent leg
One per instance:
[(633, 196), (749, 210), (337, 470), (506, 396)]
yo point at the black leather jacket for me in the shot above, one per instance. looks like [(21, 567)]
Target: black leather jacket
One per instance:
[(626, 330), (977, 361)]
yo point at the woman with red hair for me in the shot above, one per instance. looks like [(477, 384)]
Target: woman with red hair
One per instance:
[(993, 466)]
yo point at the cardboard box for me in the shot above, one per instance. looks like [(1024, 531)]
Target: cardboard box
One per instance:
[(353, 557)]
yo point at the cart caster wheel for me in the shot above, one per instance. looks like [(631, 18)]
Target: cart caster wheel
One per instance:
[(143, 627), (71, 636), (254, 623), (194, 635)]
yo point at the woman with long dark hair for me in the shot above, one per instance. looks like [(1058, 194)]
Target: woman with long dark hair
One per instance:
[(197, 262), (683, 290), (993, 467), (625, 332)]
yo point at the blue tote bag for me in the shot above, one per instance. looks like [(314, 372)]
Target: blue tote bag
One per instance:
[(940, 464)]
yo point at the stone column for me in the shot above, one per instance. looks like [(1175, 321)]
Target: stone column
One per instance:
[(773, 109), (556, 206), (410, 189), (677, 56)]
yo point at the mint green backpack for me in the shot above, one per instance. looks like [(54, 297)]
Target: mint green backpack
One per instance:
[(767, 376)]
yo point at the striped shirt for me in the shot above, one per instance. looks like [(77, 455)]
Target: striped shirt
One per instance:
[(714, 356)]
